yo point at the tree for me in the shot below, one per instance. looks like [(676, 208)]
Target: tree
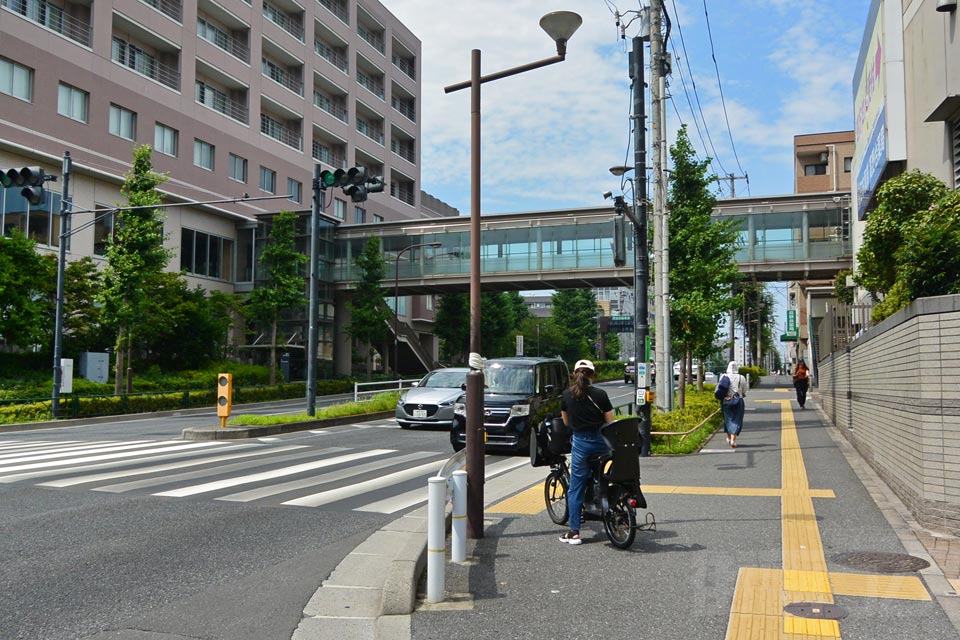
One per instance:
[(25, 278), (83, 328), (284, 286), (575, 315), (452, 326), (498, 324), (541, 337), (369, 313), (702, 267), (928, 262), (135, 256)]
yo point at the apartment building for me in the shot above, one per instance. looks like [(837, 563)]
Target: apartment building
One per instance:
[(823, 162), (238, 98)]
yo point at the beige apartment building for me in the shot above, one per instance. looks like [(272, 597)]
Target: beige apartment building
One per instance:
[(823, 162), (236, 97)]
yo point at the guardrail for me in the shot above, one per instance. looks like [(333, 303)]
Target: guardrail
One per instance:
[(450, 483), (380, 387)]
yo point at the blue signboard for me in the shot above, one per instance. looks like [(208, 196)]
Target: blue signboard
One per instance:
[(873, 163)]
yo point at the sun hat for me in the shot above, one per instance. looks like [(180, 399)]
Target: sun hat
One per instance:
[(583, 364)]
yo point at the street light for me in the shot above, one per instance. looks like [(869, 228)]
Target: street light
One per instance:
[(396, 302), (560, 26)]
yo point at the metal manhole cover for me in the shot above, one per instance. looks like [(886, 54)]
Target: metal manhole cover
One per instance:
[(881, 561), (822, 610)]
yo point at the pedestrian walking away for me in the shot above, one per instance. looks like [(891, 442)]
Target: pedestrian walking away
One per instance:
[(733, 404), (801, 381), (584, 408)]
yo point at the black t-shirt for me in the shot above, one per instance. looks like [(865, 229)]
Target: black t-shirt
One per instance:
[(583, 415)]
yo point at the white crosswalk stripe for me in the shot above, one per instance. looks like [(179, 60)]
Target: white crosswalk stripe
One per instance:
[(376, 480)]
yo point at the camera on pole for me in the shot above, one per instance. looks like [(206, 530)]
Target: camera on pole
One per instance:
[(30, 178)]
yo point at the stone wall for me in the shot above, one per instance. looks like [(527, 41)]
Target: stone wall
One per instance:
[(895, 395)]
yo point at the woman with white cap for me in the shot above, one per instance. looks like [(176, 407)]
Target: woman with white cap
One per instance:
[(733, 404), (584, 409)]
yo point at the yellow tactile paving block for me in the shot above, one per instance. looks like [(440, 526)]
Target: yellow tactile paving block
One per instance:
[(879, 586), (811, 581), (756, 612), (529, 501), (757, 492), (783, 390), (810, 627)]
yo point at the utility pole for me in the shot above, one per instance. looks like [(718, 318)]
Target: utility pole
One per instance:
[(733, 178), (656, 130)]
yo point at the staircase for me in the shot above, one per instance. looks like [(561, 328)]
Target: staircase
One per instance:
[(406, 335)]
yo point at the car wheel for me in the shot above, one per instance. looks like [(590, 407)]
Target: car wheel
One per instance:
[(404, 426), (458, 446)]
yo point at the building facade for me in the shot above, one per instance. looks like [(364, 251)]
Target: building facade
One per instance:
[(823, 162)]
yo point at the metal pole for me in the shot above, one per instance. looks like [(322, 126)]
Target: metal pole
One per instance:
[(641, 265), (396, 315), (656, 129), (458, 527), (436, 537), (665, 261), (61, 266), (315, 209), (475, 382)]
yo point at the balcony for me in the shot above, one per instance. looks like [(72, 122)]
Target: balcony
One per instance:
[(323, 153), (402, 191), (337, 8), (170, 8), (280, 133), (335, 56), (282, 77), (334, 106), (52, 17), (405, 107), (404, 149), (284, 20), (134, 58), (219, 101), (371, 131), (408, 67), (372, 37), (221, 39), (371, 84)]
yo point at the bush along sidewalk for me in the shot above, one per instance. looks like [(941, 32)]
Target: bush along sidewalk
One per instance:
[(376, 404)]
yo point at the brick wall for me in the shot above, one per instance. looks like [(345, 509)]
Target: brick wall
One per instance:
[(895, 395)]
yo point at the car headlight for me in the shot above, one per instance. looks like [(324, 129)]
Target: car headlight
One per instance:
[(400, 402), (446, 403), (519, 410), (460, 409)]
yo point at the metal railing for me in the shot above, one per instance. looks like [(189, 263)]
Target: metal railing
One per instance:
[(370, 131), (280, 133), (51, 17), (403, 195), (331, 55), (335, 108), (371, 85), (337, 8), (361, 389), (141, 62), (283, 77), (405, 108), (373, 38), (405, 151), (409, 68), (229, 43), (323, 153), (169, 8), (841, 324), (222, 103), (283, 20)]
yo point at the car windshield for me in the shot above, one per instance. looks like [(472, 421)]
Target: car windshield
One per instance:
[(504, 379), (444, 379)]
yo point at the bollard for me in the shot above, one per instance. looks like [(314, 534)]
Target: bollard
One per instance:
[(436, 538), (459, 526)]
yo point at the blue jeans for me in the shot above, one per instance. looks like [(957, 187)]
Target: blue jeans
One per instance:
[(584, 445)]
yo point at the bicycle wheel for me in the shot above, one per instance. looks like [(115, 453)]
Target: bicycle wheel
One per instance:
[(555, 495), (620, 523)]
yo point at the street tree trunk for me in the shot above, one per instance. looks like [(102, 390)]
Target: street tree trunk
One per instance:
[(273, 352)]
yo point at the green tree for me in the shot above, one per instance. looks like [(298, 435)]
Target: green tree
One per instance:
[(25, 277), (844, 293), (284, 287), (452, 327), (369, 313), (575, 315), (542, 337), (928, 262), (135, 256), (83, 328), (498, 325), (702, 267)]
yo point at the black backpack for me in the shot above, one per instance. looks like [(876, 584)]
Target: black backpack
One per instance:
[(723, 388)]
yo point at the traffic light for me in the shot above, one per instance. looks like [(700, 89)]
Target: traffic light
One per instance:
[(30, 178), (355, 182), (224, 396)]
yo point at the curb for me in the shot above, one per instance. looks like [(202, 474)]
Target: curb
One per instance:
[(236, 433)]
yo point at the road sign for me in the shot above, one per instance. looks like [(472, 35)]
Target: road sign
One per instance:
[(620, 324)]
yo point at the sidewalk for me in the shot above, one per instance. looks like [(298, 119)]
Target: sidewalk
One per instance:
[(792, 515)]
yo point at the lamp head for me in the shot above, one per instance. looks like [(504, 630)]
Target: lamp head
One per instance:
[(619, 171), (560, 26), (435, 244), (607, 194), (946, 6)]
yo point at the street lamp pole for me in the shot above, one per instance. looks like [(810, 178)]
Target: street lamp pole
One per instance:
[(559, 25), (396, 302)]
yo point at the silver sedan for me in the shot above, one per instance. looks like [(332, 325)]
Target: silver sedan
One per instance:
[(430, 403)]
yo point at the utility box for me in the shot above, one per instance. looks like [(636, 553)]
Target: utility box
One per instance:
[(95, 366), (66, 375)]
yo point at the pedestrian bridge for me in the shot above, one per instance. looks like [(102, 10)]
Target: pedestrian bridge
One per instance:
[(794, 237)]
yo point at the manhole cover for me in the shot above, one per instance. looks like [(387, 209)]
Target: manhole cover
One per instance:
[(816, 610), (881, 561)]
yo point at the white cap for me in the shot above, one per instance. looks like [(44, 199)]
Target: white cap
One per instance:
[(583, 364)]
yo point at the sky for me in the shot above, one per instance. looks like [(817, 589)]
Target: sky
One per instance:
[(550, 135)]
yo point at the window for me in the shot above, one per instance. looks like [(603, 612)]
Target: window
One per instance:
[(204, 254), (165, 139), (815, 169), (847, 165), (377, 218), (238, 168), (339, 209), (268, 180), (103, 230), (16, 80), (203, 154), (295, 190), (123, 122), (955, 128), (358, 215), (429, 303), (72, 102)]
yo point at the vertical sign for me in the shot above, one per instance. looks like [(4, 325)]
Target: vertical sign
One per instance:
[(791, 320), (520, 345)]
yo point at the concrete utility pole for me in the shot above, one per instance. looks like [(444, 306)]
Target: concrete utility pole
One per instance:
[(656, 130), (733, 178)]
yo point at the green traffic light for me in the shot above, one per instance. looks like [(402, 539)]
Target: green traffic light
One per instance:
[(327, 179)]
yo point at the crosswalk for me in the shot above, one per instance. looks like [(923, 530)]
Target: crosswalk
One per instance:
[(265, 472)]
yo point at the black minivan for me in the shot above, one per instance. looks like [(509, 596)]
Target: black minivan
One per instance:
[(519, 393)]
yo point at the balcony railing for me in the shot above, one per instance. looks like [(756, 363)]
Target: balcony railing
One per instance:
[(405, 151), (170, 8), (408, 67), (403, 195), (337, 8), (136, 59), (406, 108), (283, 20), (371, 85), (335, 108), (221, 102), (272, 128), (283, 77), (373, 38), (223, 40), (331, 55), (51, 17), (323, 153), (372, 132)]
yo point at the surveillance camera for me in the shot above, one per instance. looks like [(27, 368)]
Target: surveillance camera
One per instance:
[(607, 194)]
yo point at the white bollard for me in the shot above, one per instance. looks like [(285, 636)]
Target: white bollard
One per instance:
[(436, 537), (459, 526)]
